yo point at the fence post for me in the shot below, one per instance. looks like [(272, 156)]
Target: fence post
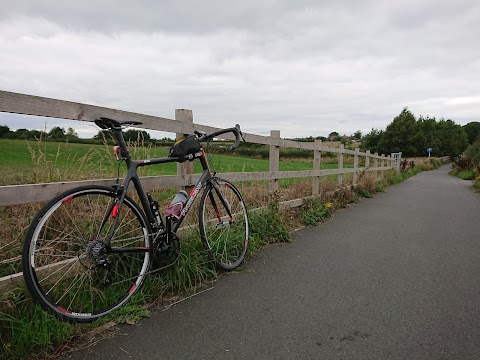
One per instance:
[(186, 116), (274, 160), (383, 161), (317, 157), (355, 167), (367, 159), (340, 164)]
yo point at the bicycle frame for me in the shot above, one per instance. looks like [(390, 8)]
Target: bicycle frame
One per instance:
[(156, 223)]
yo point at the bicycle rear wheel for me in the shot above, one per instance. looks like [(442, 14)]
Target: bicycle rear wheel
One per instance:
[(68, 266), (223, 222)]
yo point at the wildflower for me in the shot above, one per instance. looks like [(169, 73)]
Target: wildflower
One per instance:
[(328, 205)]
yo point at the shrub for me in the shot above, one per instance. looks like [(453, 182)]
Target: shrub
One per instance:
[(472, 153), (314, 211), (267, 226), (461, 163), (466, 175), (476, 184)]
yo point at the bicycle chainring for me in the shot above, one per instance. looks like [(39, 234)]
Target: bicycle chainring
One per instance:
[(166, 251)]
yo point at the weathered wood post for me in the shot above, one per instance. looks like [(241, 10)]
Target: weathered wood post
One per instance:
[(399, 161), (186, 117), (317, 157), (274, 159), (375, 161), (367, 159), (340, 164), (355, 167)]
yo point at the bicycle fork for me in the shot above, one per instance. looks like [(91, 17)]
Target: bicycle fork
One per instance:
[(225, 204)]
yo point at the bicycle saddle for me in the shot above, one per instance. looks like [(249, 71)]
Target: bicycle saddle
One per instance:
[(106, 123)]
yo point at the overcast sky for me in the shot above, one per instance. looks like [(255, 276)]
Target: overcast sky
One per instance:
[(304, 67)]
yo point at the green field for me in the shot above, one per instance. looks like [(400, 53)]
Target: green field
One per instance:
[(23, 162)]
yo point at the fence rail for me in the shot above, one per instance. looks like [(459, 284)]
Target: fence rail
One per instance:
[(182, 124)]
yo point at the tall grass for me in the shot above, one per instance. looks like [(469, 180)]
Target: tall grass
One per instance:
[(26, 330)]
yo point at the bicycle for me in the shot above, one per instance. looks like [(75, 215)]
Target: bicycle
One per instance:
[(88, 250)]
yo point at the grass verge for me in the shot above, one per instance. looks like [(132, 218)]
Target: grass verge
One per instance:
[(27, 331)]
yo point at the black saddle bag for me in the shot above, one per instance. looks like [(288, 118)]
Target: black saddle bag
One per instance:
[(186, 148)]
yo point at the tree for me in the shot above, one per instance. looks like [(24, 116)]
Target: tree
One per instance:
[(357, 135), (473, 131), (4, 131), (334, 136), (102, 134), (136, 135), (372, 141), (57, 133), (71, 135), (71, 132), (21, 134), (473, 154), (401, 135), (453, 138), (428, 136)]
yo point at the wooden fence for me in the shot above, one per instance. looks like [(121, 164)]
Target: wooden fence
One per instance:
[(182, 124)]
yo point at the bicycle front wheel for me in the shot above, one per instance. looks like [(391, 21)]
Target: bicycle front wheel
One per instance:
[(223, 222), (69, 268)]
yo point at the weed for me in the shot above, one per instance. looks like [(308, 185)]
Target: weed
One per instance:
[(363, 193), (314, 211), (345, 196), (267, 226), (461, 164), (466, 175), (476, 184), (31, 330)]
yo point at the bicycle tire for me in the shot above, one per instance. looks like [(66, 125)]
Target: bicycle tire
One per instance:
[(225, 236), (67, 267)]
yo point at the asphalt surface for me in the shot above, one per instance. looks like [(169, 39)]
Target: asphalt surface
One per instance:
[(393, 277)]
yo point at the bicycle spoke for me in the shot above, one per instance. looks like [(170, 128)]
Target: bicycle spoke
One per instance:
[(222, 227), (70, 263)]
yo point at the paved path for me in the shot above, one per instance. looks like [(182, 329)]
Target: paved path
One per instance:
[(394, 277)]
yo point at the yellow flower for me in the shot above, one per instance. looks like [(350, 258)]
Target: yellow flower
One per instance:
[(328, 205)]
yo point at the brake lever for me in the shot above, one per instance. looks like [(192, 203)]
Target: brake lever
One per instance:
[(240, 132)]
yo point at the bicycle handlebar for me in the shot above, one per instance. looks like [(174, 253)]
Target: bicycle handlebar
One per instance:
[(235, 130), (106, 123)]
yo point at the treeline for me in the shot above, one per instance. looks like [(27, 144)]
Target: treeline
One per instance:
[(70, 135), (57, 134), (414, 136), (405, 134)]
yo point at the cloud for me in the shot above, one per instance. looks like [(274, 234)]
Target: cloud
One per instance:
[(304, 67)]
